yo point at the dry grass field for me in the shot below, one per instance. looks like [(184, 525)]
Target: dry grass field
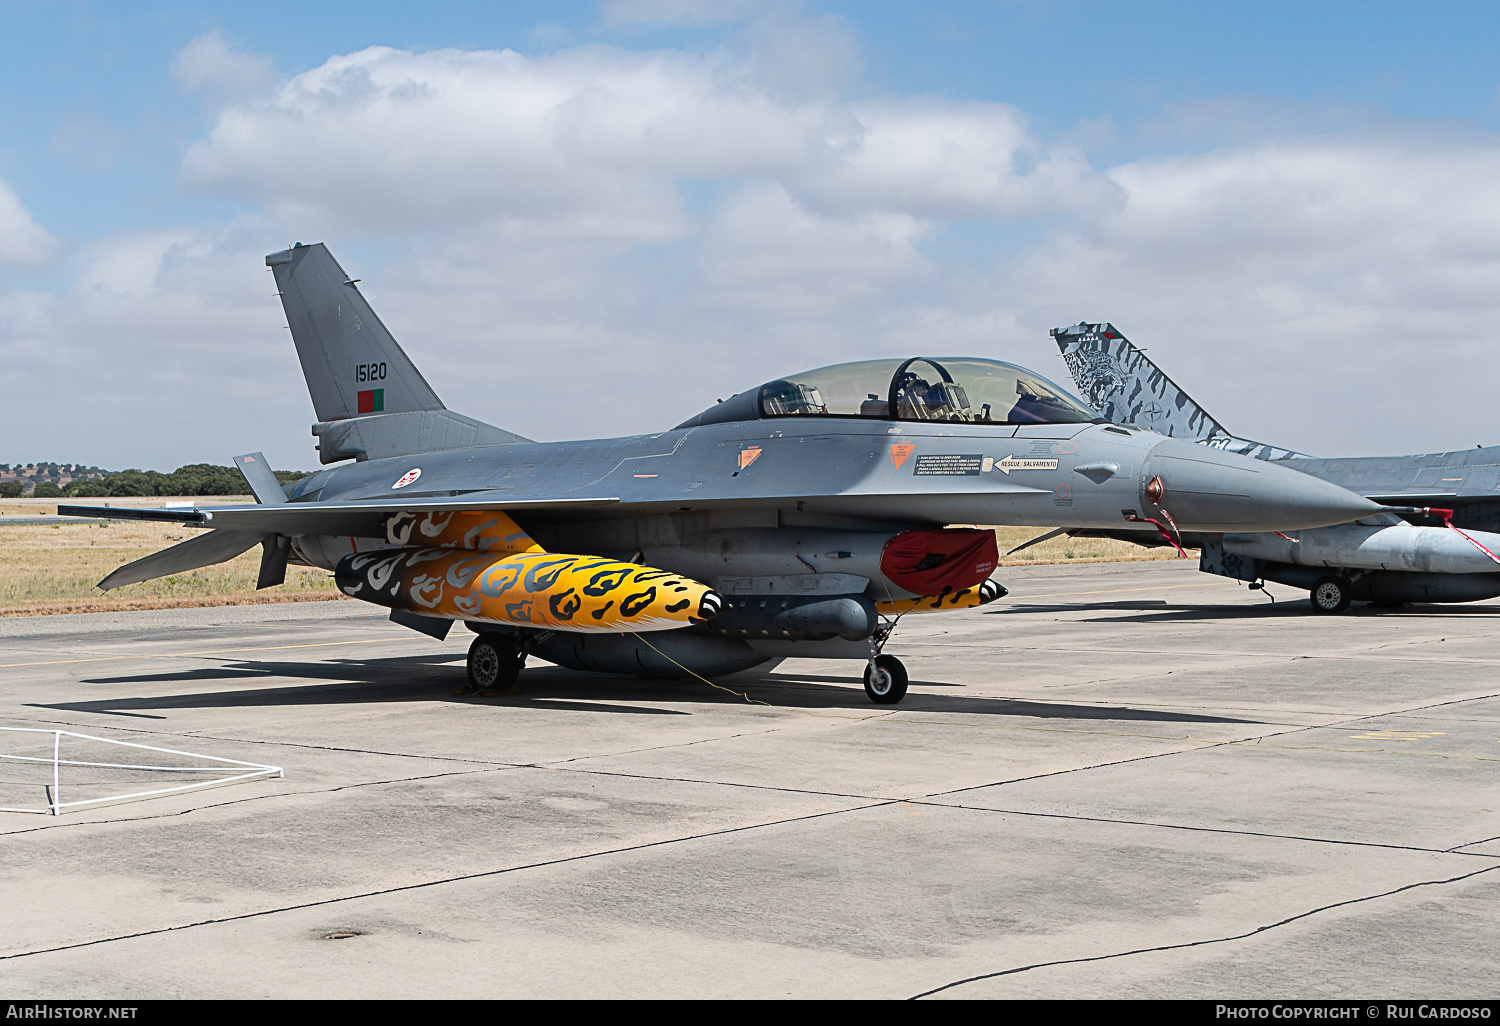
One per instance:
[(1074, 550), (53, 569)]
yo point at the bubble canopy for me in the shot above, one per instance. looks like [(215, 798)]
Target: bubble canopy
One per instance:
[(963, 390)]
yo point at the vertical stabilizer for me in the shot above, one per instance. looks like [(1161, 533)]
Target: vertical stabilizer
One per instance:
[(1124, 387), (371, 400), (352, 363)]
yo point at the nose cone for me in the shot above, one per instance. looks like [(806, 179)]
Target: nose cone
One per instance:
[(1205, 489)]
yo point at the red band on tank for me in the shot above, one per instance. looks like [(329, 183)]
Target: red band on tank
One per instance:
[(932, 562)]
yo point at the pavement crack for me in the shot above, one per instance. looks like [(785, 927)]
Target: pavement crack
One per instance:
[(1210, 830), (251, 798), (193, 736), (1073, 769), (561, 763), (877, 799), (1202, 744), (1459, 849), (441, 881), (1207, 941)]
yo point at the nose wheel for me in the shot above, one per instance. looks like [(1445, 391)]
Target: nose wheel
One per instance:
[(885, 680)]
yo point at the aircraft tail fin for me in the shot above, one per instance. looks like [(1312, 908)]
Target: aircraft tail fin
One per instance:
[(1123, 386), (370, 399)]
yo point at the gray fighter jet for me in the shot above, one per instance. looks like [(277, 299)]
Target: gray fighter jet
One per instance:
[(802, 517), (1433, 543)]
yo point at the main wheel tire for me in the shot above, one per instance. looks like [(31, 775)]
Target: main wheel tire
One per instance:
[(1329, 595), (885, 682), (494, 662)]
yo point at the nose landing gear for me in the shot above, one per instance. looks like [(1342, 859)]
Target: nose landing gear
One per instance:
[(885, 680), (885, 676)]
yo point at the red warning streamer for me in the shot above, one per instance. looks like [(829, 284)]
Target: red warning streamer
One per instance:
[(1172, 536)]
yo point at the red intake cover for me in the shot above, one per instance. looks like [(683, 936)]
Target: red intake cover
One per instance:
[(935, 562)]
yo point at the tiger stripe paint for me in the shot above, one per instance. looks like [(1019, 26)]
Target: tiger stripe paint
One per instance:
[(550, 591), (481, 530), (966, 598)]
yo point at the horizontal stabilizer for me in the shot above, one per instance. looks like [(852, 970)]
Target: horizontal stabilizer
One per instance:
[(262, 482), (204, 550)]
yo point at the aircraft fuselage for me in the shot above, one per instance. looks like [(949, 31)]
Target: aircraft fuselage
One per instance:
[(614, 496)]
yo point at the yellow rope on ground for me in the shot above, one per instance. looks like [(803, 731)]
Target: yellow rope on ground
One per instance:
[(705, 680)]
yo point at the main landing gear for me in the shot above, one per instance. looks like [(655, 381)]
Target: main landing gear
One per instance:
[(495, 662), (1329, 595)]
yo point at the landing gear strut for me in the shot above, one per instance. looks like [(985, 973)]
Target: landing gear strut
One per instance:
[(495, 662), (885, 676)]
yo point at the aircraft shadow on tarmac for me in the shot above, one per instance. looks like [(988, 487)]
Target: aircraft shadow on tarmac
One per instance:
[(430, 678), (1283, 609)]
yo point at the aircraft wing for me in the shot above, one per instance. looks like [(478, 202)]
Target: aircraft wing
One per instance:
[(356, 518)]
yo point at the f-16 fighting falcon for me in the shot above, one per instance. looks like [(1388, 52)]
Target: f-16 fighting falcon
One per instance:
[(801, 517), (1397, 555)]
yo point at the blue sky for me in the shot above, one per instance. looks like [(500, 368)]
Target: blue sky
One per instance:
[(1242, 189), (94, 125)]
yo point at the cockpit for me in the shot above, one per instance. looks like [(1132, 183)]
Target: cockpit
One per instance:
[(961, 390)]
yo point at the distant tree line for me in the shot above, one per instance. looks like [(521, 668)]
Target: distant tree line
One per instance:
[(53, 470), (193, 479)]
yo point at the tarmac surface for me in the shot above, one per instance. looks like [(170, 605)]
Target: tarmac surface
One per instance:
[(1124, 780)]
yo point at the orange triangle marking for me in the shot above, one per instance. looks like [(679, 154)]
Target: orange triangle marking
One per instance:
[(900, 452)]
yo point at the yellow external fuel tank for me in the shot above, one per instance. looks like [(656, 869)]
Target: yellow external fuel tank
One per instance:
[(480, 566)]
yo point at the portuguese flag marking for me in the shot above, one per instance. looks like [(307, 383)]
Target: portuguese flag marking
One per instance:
[(371, 400)]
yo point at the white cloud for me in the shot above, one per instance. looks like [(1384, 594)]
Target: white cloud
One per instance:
[(169, 349), (540, 212), (766, 252), (596, 139), (952, 161), (604, 240), (1338, 295), (23, 242), (207, 64)]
